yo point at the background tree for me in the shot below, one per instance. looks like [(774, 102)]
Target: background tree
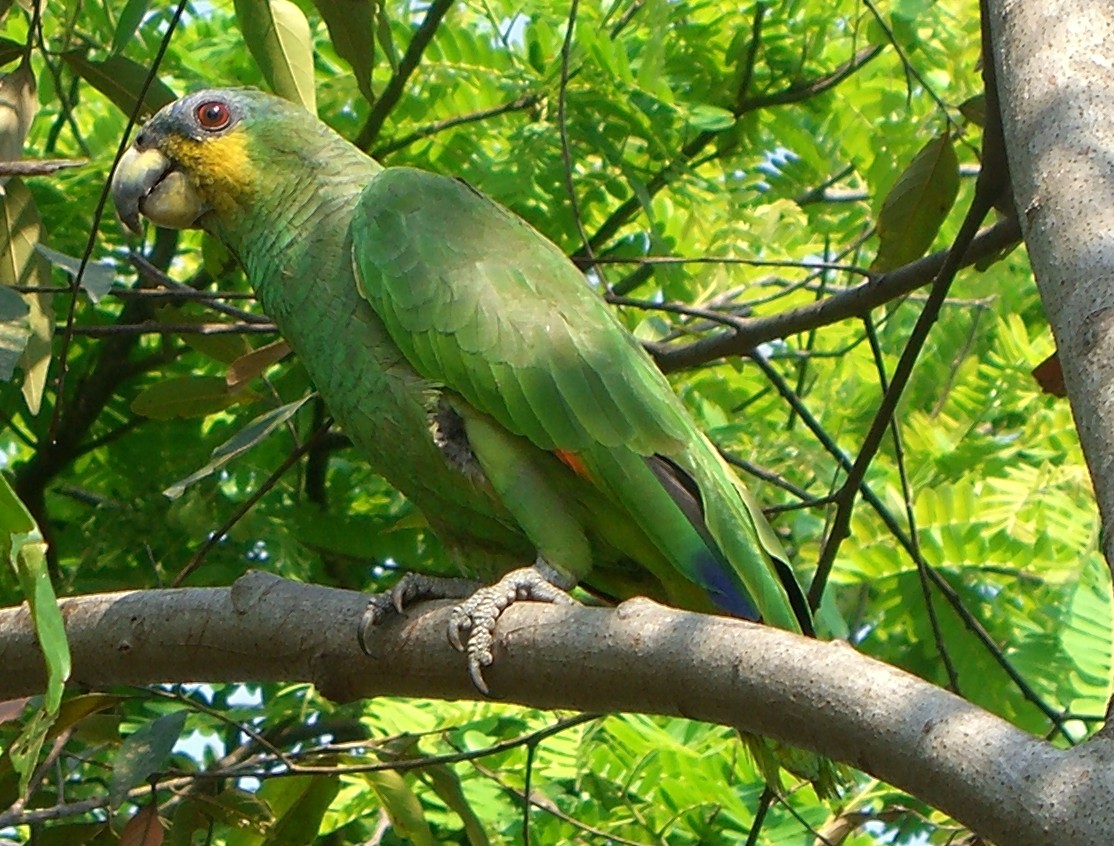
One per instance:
[(753, 187)]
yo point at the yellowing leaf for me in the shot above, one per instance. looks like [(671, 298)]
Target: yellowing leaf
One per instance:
[(35, 360), (277, 34), (186, 396), (252, 364), (20, 230), (18, 105), (917, 205), (144, 829)]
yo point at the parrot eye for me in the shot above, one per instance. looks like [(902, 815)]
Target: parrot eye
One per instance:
[(213, 115)]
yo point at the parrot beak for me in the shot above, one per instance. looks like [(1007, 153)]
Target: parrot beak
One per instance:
[(146, 183)]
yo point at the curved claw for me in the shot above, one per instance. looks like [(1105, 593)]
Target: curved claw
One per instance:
[(411, 588), (472, 624)]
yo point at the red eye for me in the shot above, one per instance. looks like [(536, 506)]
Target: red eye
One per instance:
[(213, 115)]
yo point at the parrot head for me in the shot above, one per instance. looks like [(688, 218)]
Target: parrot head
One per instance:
[(217, 156), (191, 158)]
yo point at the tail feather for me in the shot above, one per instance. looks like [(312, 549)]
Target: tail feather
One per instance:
[(685, 492)]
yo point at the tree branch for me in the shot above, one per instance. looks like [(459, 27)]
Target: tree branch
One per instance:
[(641, 657), (748, 332), (410, 60), (1056, 90)]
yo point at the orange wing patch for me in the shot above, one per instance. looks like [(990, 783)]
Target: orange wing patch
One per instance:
[(573, 462)]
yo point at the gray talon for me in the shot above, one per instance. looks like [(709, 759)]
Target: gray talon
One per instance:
[(411, 588), (472, 624)]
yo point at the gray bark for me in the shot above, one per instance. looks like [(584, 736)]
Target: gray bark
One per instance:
[(1009, 786), (1055, 65)]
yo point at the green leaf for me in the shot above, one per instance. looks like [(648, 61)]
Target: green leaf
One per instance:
[(402, 806), (255, 432), (278, 36), (121, 80), (144, 753), (238, 808), (71, 835), (446, 784), (10, 50), (24, 751), (974, 109), (28, 556), (128, 22), (97, 278), (225, 348), (917, 205), (186, 396), (350, 24), (298, 804), (711, 118), (15, 330), (23, 547)]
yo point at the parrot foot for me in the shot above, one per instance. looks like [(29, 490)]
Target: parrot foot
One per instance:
[(411, 588), (472, 626)]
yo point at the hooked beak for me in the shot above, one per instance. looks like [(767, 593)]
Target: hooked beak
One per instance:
[(146, 183)]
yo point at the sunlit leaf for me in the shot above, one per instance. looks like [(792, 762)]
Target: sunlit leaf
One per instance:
[(402, 806), (916, 206), (277, 33), (22, 545), (35, 359), (130, 17), (18, 105)]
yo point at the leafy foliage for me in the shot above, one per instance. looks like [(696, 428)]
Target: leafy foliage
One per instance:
[(778, 149)]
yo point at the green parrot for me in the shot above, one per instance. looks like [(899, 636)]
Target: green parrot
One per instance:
[(472, 365)]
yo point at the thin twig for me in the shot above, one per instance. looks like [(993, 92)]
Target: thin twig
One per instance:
[(397, 83), (526, 101), (153, 327), (748, 333), (98, 213), (911, 519), (218, 535)]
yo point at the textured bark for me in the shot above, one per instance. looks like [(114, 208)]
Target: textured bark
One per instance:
[(1009, 786), (1056, 80)]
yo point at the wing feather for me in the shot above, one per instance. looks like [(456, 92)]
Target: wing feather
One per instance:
[(481, 303)]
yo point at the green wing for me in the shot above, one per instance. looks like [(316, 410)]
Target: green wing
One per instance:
[(478, 301)]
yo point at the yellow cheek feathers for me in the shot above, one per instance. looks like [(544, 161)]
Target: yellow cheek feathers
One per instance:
[(220, 166)]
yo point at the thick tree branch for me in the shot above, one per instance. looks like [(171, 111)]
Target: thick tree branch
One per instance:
[(746, 333), (1057, 84), (1010, 786)]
